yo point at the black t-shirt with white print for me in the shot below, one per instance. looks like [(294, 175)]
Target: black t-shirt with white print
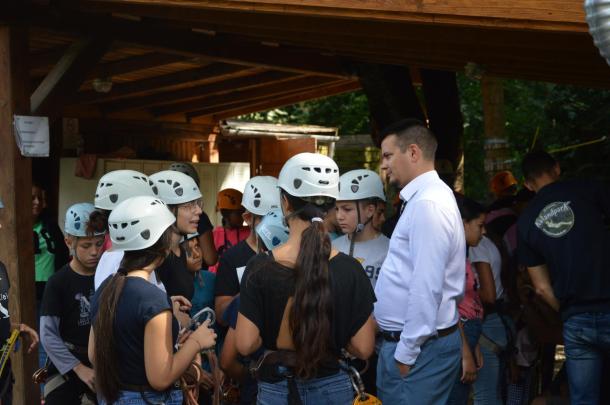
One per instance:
[(564, 227), (231, 268), (67, 296)]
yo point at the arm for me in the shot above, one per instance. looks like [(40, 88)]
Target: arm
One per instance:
[(469, 368), (53, 344), (486, 278), (430, 240), (163, 367), (542, 283), (362, 343), (228, 358), (221, 303), (247, 336), (210, 255)]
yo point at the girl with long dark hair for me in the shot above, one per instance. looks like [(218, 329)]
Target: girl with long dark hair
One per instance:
[(304, 302), (133, 339)]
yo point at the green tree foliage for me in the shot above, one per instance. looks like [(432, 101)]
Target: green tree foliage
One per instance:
[(554, 116)]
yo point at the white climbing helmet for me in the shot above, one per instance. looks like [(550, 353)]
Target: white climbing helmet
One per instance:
[(77, 217), (138, 222), (310, 176), (261, 195), (186, 168), (271, 230), (119, 185), (360, 184), (175, 187)]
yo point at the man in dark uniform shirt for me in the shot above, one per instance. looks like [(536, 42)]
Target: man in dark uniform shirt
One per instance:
[(564, 242)]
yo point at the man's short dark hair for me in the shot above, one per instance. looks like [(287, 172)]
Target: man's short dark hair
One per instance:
[(412, 131), (536, 164)]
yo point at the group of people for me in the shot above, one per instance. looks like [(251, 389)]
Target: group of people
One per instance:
[(313, 303)]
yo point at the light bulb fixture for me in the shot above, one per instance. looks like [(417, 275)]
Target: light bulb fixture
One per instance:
[(102, 84)]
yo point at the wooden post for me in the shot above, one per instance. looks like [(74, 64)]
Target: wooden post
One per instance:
[(16, 247), (496, 145)]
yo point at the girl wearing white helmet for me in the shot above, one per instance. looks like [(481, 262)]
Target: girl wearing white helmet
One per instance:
[(261, 195), (113, 188), (64, 321), (7, 328), (360, 193), (304, 302), (131, 344), (205, 227), (183, 198)]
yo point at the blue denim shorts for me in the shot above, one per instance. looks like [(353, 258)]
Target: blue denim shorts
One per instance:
[(173, 397)]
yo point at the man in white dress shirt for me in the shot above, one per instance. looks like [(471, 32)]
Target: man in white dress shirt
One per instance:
[(422, 277)]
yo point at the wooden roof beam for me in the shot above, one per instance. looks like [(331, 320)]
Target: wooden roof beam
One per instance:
[(224, 86), (246, 107), (189, 43), (553, 15), (212, 71), (273, 89), (67, 75)]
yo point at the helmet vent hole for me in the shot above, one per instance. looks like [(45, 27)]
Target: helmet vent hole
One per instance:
[(307, 169), (179, 191), (124, 225), (328, 170), (324, 182), (355, 189), (297, 183), (114, 197), (145, 234), (134, 222), (317, 170), (120, 238)]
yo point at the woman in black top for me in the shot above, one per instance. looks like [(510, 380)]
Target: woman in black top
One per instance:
[(132, 344), (303, 301)]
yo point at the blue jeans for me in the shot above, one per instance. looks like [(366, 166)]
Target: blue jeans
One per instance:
[(587, 341), (488, 386), (173, 397), (472, 331), (430, 379), (334, 389)]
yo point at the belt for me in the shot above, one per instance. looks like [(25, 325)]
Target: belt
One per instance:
[(394, 336), (146, 387)]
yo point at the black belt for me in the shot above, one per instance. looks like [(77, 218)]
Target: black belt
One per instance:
[(394, 336), (146, 387)]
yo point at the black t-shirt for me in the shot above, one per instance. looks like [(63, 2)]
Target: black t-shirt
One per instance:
[(140, 301), (205, 224), (67, 296), (231, 267), (563, 227), (176, 277), (267, 286), (5, 319)]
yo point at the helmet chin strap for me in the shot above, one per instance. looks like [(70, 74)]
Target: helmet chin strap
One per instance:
[(74, 254), (359, 228)]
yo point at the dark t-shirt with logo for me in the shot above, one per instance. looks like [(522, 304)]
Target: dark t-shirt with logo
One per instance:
[(5, 320), (68, 297), (565, 227)]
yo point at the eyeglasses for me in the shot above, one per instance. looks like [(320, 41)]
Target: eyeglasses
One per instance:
[(192, 205)]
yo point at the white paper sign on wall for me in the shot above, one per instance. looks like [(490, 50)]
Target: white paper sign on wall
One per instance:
[(32, 135)]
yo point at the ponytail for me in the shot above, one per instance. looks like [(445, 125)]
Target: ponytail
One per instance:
[(106, 359), (312, 308)]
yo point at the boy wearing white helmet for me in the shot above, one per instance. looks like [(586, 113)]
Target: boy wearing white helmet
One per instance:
[(133, 338), (304, 302), (64, 321), (6, 329), (360, 193), (261, 195)]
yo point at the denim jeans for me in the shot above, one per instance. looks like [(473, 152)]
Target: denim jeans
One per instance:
[(335, 389), (472, 331), (430, 379), (173, 397), (587, 341), (488, 386)]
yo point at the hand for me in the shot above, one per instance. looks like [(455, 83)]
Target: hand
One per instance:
[(31, 334), (469, 368), (181, 303), (403, 369), (183, 336), (204, 336), (86, 374), (478, 356)]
